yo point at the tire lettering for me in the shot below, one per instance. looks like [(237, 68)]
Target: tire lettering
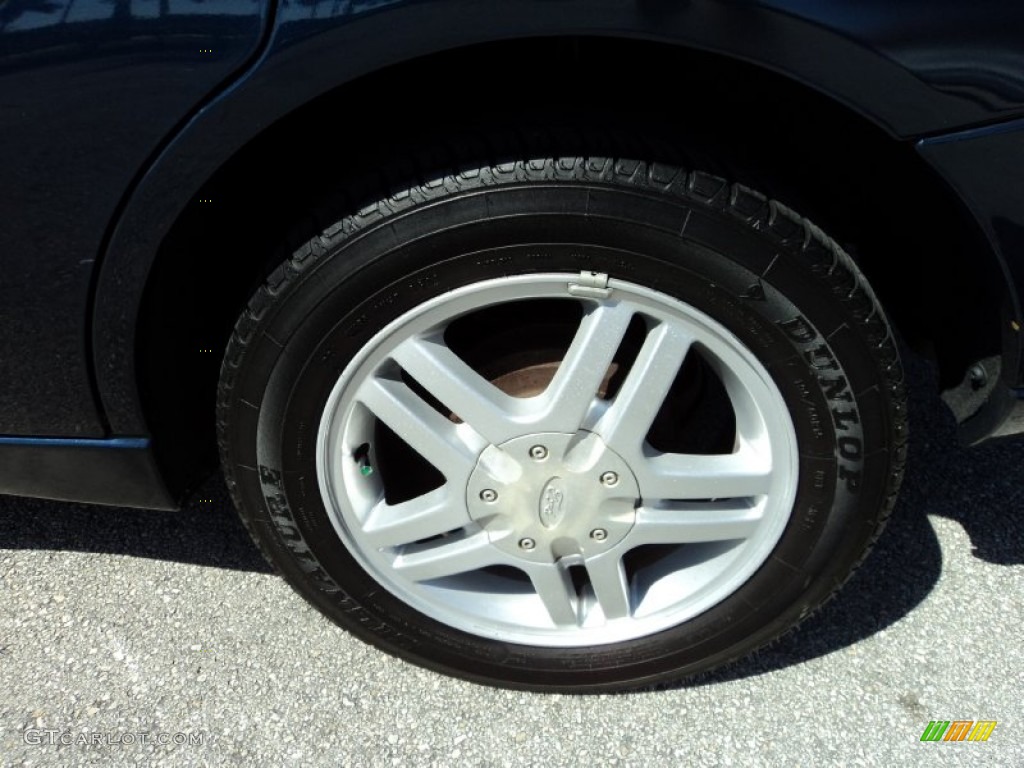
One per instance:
[(810, 518), (819, 479), (844, 418), (836, 389), (495, 260), (385, 301), (805, 391), (852, 478), (815, 419), (422, 283), (799, 330), (357, 325), (281, 516), (850, 448), (820, 359)]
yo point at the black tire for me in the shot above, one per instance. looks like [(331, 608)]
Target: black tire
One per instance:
[(790, 294)]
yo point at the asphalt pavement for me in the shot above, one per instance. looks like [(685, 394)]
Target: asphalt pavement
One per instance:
[(131, 637)]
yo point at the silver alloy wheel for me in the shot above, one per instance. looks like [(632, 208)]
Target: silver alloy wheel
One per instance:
[(544, 496)]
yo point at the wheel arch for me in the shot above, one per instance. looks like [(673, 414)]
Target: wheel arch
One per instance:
[(181, 266)]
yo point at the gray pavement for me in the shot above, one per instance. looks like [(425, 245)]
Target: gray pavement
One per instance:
[(122, 628)]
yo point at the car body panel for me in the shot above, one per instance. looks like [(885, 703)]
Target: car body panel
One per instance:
[(862, 54), (89, 92), (147, 100)]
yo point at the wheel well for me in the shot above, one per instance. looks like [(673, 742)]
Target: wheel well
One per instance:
[(555, 95)]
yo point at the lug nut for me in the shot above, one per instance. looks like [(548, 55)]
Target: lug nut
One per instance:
[(599, 534), (489, 495), (538, 453), (609, 479), (527, 543)]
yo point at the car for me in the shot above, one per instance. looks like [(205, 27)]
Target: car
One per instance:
[(553, 346)]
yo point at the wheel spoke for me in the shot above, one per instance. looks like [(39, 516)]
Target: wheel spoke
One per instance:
[(676, 476), (608, 578), (447, 558), (451, 380), (692, 523), (426, 431), (745, 390), (433, 513), (624, 426), (586, 363), (555, 588)]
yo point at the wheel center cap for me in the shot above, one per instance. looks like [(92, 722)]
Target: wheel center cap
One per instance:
[(547, 496)]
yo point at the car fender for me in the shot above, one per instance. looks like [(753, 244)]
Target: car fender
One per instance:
[(858, 54)]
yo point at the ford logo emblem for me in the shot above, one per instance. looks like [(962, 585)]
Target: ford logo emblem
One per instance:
[(552, 503)]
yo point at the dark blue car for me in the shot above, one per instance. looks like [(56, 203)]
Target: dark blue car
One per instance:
[(548, 344)]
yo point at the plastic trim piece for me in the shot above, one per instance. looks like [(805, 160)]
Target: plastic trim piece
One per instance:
[(119, 471)]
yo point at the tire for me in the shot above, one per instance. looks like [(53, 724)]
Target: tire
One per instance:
[(573, 424)]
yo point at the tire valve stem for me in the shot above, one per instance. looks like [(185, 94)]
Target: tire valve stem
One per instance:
[(362, 458)]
